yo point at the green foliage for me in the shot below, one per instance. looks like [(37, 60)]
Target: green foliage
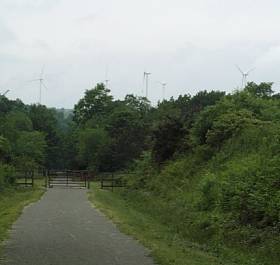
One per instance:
[(139, 104), (91, 147), (7, 176), (212, 160), (262, 90), (167, 140), (44, 121), (5, 148), (127, 131), (223, 190), (7, 105), (30, 150), (226, 126), (95, 104), (143, 172), (15, 122)]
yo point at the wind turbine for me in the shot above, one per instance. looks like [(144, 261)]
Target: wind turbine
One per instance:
[(5, 93), (244, 76), (146, 78), (107, 80), (163, 84), (107, 83), (41, 84)]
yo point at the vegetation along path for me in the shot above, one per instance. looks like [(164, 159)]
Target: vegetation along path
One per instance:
[(63, 228)]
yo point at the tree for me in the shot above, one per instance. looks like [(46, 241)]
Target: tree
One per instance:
[(5, 148), (263, 90), (7, 105), (13, 123), (91, 145), (140, 104), (95, 104), (44, 120), (167, 139), (190, 108), (30, 150), (228, 125), (127, 131)]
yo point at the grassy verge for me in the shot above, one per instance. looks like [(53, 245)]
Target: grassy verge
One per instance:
[(12, 202), (166, 247)]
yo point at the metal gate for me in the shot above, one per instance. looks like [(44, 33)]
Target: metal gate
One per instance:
[(68, 178)]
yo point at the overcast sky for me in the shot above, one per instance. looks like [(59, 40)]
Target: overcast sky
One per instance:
[(190, 44)]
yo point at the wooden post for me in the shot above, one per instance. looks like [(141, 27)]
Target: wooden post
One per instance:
[(101, 181), (46, 179), (84, 174), (25, 177), (88, 184), (49, 178), (32, 180), (112, 182)]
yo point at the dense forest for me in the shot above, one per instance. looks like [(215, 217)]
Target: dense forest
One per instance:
[(211, 159)]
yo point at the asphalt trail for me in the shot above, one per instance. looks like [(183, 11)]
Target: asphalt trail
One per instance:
[(64, 229)]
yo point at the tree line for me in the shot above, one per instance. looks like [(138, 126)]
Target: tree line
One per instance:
[(211, 159)]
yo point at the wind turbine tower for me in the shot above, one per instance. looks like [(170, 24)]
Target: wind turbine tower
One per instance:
[(106, 77), (244, 76), (107, 83), (146, 78), (41, 84), (163, 84)]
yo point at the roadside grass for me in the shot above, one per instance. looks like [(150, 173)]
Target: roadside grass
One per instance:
[(12, 202), (166, 247)]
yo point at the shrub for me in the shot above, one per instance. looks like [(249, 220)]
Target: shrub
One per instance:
[(7, 176), (143, 170)]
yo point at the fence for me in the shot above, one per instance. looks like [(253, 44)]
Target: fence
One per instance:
[(25, 178), (112, 180), (68, 178)]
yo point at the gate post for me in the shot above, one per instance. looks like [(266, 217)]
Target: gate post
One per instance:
[(88, 179), (46, 178), (84, 175), (113, 181), (32, 178), (101, 181), (25, 178), (49, 178)]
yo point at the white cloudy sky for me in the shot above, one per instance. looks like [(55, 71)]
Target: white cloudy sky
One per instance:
[(190, 44)]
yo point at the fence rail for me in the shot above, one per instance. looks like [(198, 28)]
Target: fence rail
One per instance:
[(68, 178), (112, 180), (25, 178)]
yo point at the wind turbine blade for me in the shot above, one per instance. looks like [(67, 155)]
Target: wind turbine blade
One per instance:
[(6, 92), (239, 69), (42, 71), (33, 80), (44, 85), (250, 70), (143, 84)]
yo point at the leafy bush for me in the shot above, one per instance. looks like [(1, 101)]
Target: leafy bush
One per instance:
[(167, 140), (7, 176), (143, 172), (5, 148), (91, 145), (30, 150)]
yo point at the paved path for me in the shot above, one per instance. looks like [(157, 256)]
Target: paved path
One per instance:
[(64, 229)]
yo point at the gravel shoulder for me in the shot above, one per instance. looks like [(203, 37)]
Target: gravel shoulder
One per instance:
[(63, 228)]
